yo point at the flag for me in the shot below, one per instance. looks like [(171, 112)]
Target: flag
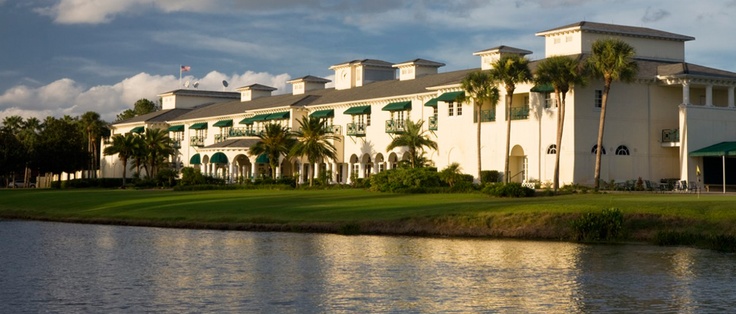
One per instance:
[(185, 68)]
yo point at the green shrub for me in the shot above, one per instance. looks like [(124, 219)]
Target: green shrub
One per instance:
[(191, 176), (490, 176), (603, 226), (405, 180), (507, 190)]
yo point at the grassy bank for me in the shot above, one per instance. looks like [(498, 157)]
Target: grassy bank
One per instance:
[(670, 218)]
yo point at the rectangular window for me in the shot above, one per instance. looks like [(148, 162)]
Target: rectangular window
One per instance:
[(368, 119), (550, 101), (435, 111), (451, 109), (598, 98), (459, 109)]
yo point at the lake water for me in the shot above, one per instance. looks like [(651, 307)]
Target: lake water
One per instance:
[(73, 268)]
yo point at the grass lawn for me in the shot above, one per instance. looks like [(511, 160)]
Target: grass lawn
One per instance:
[(372, 212)]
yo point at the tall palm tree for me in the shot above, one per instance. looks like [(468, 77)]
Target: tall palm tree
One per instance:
[(610, 60), (13, 124), (93, 128), (124, 145), (29, 136), (314, 141), (158, 148), (415, 139), (479, 86), (510, 70), (275, 141), (562, 72)]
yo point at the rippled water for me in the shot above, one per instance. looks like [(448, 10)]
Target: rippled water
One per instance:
[(72, 268)]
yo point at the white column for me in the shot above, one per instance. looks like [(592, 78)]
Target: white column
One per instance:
[(361, 170), (731, 98), (349, 179), (278, 169), (686, 92), (335, 169), (709, 95), (315, 172), (253, 169), (230, 172)]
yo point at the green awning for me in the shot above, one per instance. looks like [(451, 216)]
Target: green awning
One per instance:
[(546, 88), (358, 110), (195, 160), (278, 116), (717, 150), (451, 96), (138, 129), (223, 123), (398, 106), (198, 126), (260, 117), (328, 113), (431, 103), (176, 128), (262, 159), (218, 158), (247, 121)]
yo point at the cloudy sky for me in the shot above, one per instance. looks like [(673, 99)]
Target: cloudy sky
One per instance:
[(62, 57)]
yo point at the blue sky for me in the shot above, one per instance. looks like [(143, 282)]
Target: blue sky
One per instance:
[(62, 57)]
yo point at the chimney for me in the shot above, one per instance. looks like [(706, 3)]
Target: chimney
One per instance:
[(254, 91), (307, 83), (412, 69)]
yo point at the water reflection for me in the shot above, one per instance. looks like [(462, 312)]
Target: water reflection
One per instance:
[(72, 268)]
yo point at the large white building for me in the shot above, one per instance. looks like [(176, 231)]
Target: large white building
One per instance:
[(663, 125)]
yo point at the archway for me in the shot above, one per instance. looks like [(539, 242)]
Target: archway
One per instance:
[(380, 164), (242, 168), (393, 160), (518, 168), (367, 165)]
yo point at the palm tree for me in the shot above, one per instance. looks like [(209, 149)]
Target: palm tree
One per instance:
[(93, 128), (611, 60), (313, 141), (562, 73), (275, 141), (13, 124), (510, 70), (124, 145), (158, 148), (479, 86), (415, 139)]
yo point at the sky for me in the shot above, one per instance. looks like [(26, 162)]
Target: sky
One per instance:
[(67, 57)]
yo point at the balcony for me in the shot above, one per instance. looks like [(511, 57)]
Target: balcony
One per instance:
[(196, 141), (220, 137), (356, 129), (432, 125), (395, 126), (519, 113), (670, 138), (238, 132), (485, 116), (176, 143)]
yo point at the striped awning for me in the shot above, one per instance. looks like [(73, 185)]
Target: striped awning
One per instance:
[(358, 110), (176, 128), (398, 106), (328, 113), (223, 123), (198, 126)]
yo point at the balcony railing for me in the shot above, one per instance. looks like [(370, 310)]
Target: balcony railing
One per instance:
[(356, 129), (196, 141), (671, 136), (519, 113), (220, 137), (238, 132), (176, 144), (485, 116), (395, 126), (433, 123)]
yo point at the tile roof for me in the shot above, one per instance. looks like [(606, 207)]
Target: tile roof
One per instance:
[(235, 143), (618, 30), (156, 116)]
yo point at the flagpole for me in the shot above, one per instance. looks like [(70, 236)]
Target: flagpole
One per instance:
[(180, 67)]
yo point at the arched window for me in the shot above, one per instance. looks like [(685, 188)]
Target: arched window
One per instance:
[(595, 149), (552, 149), (622, 150)]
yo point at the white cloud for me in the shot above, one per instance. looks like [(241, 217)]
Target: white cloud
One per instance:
[(66, 97)]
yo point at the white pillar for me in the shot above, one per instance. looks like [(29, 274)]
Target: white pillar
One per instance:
[(686, 92), (253, 170), (731, 98), (230, 172), (335, 169), (361, 170), (278, 169), (349, 179), (709, 95)]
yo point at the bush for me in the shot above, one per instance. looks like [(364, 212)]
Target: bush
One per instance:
[(405, 180), (601, 226), (191, 176), (490, 176), (507, 190)]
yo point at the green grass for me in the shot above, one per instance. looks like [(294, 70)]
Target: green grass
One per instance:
[(360, 211)]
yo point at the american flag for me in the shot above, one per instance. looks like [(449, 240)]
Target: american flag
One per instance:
[(185, 68)]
